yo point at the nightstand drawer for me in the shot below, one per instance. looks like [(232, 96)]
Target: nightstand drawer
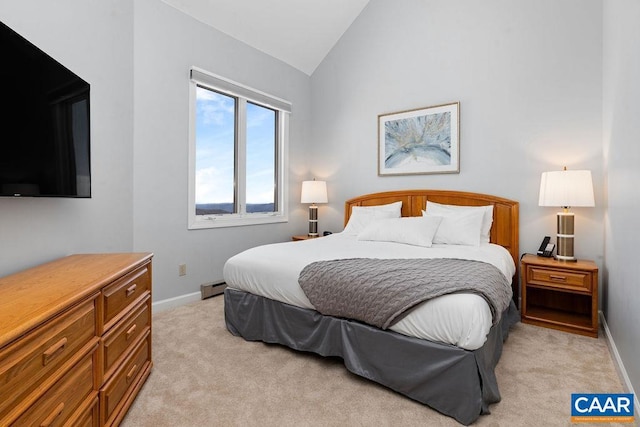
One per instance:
[(557, 278)]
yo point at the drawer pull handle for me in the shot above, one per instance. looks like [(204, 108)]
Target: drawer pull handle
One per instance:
[(131, 331), (131, 372), (558, 278), (131, 289), (53, 351), (52, 417)]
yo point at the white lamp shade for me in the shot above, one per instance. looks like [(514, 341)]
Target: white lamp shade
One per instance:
[(567, 188), (314, 192)]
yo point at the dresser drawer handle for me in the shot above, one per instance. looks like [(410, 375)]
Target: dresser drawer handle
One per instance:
[(131, 331), (53, 351), (558, 278), (132, 372), (131, 289), (52, 417)]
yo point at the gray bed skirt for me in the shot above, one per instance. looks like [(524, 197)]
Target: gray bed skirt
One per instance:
[(456, 382)]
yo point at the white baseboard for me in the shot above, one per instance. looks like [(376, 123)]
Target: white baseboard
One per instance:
[(174, 302), (617, 361)]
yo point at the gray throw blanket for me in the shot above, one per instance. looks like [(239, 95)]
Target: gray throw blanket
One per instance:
[(380, 291)]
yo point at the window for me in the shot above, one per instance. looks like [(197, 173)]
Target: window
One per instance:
[(236, 154)]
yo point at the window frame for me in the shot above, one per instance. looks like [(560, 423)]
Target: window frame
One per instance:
[(243, 94)]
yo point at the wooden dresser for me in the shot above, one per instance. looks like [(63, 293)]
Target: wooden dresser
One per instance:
[(75, 340)]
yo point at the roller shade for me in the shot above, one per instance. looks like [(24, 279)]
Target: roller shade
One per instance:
[(236, 89)]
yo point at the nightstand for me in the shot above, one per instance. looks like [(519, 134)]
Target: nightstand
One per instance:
[(560, 295), (303, 237)]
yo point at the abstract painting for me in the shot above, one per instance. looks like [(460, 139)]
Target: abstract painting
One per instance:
[(422, 141)]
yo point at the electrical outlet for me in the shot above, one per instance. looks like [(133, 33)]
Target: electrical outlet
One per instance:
[(182, 269)]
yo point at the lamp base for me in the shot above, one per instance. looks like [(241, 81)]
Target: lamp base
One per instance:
[(313, 221), (565, 236), (564, 259)]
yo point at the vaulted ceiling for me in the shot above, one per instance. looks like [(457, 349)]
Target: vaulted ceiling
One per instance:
[(298, 32)]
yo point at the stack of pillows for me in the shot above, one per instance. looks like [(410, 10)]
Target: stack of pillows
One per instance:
[(439, 224)]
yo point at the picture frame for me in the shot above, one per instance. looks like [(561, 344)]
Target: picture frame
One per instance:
[(420, 141)]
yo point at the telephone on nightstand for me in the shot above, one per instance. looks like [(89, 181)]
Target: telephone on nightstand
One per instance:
[(546, 248)]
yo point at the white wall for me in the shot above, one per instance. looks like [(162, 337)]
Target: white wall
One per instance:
[(621, 285), (139, 173), (94, 40), (528, 75), (167, 44)]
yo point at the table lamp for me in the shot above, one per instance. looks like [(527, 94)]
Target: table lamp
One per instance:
[(313, 192), (565, 189)]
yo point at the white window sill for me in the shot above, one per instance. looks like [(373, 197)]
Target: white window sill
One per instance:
[(220, 221)]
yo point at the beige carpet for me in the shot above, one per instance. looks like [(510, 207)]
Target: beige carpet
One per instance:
[(204, 376)]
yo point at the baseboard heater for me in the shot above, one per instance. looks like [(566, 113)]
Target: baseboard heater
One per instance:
[(209, 290)]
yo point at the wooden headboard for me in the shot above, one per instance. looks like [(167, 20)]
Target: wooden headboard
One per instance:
[(504, 230)]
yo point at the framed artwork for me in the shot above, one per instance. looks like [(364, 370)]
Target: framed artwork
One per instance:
[(422, 141)]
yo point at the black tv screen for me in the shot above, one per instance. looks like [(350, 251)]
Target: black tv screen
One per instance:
[(44, 123)]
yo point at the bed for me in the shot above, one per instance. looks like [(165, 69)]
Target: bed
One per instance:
[(441, 352)]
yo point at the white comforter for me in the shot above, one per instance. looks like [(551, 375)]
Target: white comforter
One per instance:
[(463, 320)]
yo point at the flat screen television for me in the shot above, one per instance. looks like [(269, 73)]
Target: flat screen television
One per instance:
[(44, 123)]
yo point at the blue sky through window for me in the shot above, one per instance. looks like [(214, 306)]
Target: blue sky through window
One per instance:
[(215, 151), (261, 152)]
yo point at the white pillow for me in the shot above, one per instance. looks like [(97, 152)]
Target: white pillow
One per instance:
[(361, 216), (415, 230), (458, 227), (487, 219)]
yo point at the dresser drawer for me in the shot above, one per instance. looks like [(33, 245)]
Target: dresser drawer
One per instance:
[(114, 393), (559, 278), (125, 292), (60, 402), (87, 415), (118, 342), (34, 359)]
